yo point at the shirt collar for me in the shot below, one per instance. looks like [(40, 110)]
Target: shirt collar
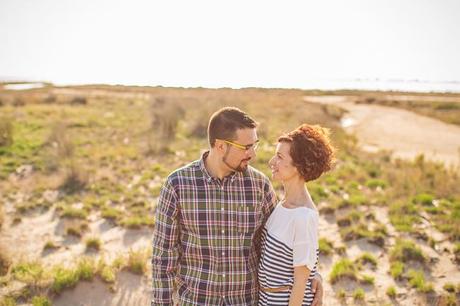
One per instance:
[(232, 176)]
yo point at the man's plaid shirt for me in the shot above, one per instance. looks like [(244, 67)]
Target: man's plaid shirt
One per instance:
[(207, 235)]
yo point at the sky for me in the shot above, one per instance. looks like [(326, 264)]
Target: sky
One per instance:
[(229, 43)]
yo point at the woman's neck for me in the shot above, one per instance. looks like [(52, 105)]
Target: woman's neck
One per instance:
[(296, 194)]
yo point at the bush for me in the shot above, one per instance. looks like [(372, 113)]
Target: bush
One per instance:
[(325, 246), (344, 268), (74, 213), (405, 251), (6, 132), (78, 101), (64, 278), (391, 292), (417, 281), (5, 263), (367, 258), (424, 199), (93, 243), (40, 301), (358, 294), (137, 261), (374, 183), (449, 287), (396, 269), (28, 272), (86, 269), (164, 119)]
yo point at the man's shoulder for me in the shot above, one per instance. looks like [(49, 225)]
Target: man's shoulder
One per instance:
[(189, 170)]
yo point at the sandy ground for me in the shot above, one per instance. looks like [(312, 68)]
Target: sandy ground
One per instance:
[(376, 127), (404, 133)]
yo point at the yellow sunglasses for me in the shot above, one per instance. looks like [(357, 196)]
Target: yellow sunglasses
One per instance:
[(248, 147)]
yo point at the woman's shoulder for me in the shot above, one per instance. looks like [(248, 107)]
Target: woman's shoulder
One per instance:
[(306, 216)]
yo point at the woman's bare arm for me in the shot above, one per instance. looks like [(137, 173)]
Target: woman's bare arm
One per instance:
[(301, 274)]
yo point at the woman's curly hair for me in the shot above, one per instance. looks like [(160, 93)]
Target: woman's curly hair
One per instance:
[(311, 150)]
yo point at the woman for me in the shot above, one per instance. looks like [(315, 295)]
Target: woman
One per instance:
[(290, 241)]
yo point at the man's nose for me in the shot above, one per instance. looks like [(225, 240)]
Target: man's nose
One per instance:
[(251, 152)]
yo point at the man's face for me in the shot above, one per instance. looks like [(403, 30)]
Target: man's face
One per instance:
[(236, 158)]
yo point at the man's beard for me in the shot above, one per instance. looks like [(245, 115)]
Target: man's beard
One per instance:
[(239, 168)]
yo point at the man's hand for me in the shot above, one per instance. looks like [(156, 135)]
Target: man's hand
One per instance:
[(317, 287)]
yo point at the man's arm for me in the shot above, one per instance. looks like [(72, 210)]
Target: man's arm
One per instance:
[(165, 246), (268, 204), (317, 287)]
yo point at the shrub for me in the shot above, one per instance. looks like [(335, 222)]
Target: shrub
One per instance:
[(344, 268), (93, 243), (424, 199), (449, 287), (111, 213), (7, 301), (78, 101), (367, 279), (49, 245), (6, 132), (28, 272), (391, 292), (74, 213), (417, 281), (396, 269), (405, 251), (325, 246), (374, 183), (5, 262), (64, 278), (358, 294), (341, 294), (367, 258), (164, 119), (86, 269), (63, 155), (137, 261), (404, 216), (40, 301), (2, 215)]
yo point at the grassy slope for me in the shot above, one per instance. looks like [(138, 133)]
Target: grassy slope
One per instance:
[(112, 143)]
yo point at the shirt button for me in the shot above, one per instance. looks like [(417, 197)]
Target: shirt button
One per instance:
[(223, 275), (223, 232), (223, 254), (222, 209)]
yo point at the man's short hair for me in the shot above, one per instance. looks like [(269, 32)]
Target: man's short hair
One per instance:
[(224, 123)]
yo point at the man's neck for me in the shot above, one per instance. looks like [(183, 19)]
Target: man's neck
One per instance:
[(215, 167)]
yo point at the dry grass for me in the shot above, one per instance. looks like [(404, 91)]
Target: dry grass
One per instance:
[(96, 153)]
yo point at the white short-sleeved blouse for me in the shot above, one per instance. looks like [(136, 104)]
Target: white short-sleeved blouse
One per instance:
[(290, 239)]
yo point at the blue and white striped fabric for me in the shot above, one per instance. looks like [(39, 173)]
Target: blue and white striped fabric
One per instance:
[(276, 267)]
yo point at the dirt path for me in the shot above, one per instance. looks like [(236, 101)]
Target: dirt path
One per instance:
[(404, 133)]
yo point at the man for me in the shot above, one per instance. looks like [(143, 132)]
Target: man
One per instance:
[(209, 219)]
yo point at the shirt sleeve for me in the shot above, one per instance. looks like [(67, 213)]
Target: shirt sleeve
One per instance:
[(305, 240), (165, 246), (268, 204)]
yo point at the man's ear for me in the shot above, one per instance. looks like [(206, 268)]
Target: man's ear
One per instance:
[(219, 146)]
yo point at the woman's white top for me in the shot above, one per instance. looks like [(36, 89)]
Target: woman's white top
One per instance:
[(290, 239)]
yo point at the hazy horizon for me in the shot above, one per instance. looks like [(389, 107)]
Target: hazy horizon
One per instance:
[(233, 44)]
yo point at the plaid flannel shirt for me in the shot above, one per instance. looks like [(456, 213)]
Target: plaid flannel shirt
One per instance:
[(206, 242)]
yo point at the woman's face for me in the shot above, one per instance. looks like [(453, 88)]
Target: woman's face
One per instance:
[(281, 163)]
